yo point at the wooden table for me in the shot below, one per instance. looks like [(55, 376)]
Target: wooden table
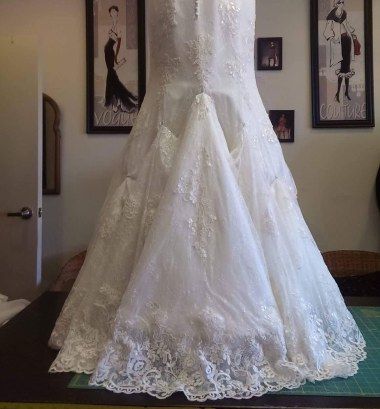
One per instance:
[(25, 359)]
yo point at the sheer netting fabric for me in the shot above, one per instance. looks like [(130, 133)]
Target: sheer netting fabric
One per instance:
[(202, 275)]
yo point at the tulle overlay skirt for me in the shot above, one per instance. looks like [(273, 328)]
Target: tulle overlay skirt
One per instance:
[(202, 275)]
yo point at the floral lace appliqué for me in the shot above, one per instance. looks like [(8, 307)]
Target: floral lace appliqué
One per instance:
[(220, 366), (168, 144), (192, 190), (168, 70), (167, 17), (202, 228), (127, 209), (199, 52), (236, 68), (229, 11)]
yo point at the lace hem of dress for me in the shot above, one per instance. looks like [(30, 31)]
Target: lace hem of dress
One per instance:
[(238, 369), (207, 356)]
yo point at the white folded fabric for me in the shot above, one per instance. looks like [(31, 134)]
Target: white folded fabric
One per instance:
[(8, 309)]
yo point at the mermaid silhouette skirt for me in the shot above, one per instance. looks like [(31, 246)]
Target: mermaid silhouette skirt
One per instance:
[(202, 275)]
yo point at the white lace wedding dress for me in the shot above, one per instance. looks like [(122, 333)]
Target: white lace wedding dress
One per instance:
[(202, 275)]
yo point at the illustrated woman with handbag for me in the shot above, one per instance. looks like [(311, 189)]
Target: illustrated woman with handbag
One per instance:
[(344, 45)]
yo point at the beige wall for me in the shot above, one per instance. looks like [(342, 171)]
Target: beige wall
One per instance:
[(334, 170), (87, 161)]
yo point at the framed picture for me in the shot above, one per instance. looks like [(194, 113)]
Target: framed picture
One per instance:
[(269, 53), (116, 76), (342, 63), (283, 124)]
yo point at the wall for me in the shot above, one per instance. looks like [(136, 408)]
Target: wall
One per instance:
[(334, 170), (68, 219)]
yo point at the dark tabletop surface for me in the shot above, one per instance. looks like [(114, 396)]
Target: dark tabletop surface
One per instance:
[(25, 359)]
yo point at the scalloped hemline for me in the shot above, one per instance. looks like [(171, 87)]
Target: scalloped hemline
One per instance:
[(261, 388), (223, 393)]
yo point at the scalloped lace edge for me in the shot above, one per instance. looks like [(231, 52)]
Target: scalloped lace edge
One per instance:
[(267, 384)]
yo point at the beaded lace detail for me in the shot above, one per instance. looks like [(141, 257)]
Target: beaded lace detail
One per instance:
[(199, 52), (229, 11)]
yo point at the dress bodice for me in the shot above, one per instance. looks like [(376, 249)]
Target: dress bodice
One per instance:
[(208, 43), (206, 46)]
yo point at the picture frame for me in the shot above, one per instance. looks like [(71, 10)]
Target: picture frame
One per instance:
[(283, 121), (342, 63), (269, 53), (116, 66), (51, 146)]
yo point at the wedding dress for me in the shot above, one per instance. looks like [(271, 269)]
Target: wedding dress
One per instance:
[(202, 275)]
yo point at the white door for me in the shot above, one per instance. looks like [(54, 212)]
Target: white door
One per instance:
[(20, 167)]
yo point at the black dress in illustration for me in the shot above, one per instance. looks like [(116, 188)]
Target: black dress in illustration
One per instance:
[(340, 34), (117, 95)]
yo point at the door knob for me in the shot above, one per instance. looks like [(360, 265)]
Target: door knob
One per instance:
[(25, 213)]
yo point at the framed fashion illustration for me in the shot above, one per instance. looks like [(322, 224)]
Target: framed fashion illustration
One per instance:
[(116, 76), (342, 63)]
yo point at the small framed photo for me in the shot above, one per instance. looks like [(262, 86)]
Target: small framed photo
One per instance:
[(283, 124), (269, 53), (115, 64)]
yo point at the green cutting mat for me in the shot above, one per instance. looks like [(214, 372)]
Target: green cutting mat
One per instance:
[(365, 383)]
